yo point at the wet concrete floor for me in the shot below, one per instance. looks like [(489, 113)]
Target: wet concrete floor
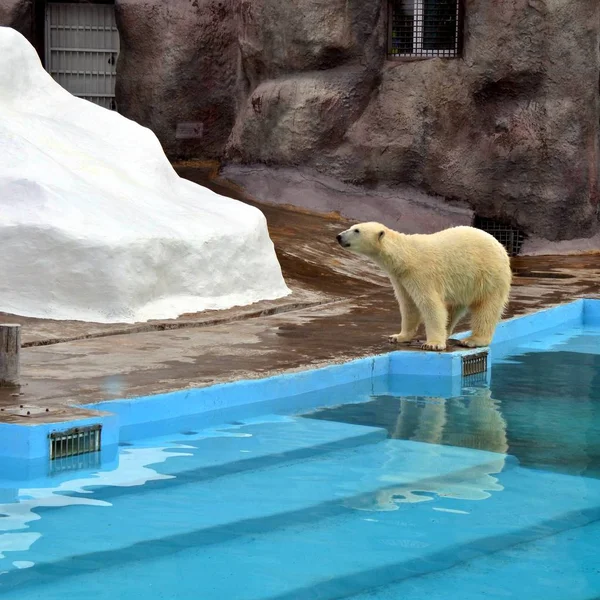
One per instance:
[(341, 308)]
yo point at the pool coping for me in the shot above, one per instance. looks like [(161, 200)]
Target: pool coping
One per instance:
[(30, 442)]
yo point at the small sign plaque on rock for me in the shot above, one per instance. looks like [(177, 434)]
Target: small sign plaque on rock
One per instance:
[(189, 131)]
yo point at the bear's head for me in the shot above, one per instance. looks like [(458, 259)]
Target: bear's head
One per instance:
[(364, 238)]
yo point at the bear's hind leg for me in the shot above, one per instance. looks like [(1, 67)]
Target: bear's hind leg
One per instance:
[(411, 318), (484, 318)]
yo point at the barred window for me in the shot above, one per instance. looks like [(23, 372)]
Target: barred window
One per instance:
[(422, 28)]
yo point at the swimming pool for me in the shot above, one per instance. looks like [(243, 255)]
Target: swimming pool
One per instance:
[(383, 487)]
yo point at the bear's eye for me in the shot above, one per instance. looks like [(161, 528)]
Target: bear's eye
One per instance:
[(357, 231)]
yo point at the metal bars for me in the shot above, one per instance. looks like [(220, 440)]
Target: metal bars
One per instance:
[(510, 237), (82, 45), (425, 28), (76, 441), (474, 364)]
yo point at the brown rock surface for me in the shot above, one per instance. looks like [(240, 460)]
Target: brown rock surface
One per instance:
[(178, 65), (18, 14), (287, 121), (512, 128), (400, 207), (278, 37)]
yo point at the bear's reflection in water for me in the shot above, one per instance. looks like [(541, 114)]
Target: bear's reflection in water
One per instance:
[(543, 408), (472, 420)]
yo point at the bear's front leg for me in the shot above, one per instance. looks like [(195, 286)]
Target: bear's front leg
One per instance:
[(435, 316), (410, 315)]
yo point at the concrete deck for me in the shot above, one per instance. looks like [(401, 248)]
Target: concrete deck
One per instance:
[(341, 308)]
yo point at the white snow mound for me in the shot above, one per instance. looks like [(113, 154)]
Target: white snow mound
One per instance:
[(95, 224)]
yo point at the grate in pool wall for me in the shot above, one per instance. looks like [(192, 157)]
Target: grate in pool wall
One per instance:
[(75, 442), (510, 237), (474, 364)]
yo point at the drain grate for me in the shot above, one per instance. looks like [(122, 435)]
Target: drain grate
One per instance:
[(510, 237), (474, 364), (74, 442)]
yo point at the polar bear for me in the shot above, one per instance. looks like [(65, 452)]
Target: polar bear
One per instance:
[(438, 277)]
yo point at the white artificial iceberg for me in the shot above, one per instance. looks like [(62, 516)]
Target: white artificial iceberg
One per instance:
[(95, 224)]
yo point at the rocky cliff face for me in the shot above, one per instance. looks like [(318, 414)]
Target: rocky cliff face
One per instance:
[(18, 14), (178, 68), (511, 128)]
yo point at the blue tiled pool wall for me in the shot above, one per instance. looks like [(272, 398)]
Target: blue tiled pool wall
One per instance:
[(433, 374)]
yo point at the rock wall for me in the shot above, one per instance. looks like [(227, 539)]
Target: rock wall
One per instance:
[(179, 65), (511, 128), (18, 14)]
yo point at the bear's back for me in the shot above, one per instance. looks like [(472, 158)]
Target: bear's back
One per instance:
[(464, 260), (466, 240)]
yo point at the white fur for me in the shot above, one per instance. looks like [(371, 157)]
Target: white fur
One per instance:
[(438, 277)]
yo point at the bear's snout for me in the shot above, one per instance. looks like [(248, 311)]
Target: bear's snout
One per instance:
[(343, 239), (340, 238)]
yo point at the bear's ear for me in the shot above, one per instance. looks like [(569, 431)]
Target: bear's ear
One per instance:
[(381, 234)]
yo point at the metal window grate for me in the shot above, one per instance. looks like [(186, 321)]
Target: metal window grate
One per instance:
[(425, 28), (76, 441), (474, 364), (510, 237), (82, 46)]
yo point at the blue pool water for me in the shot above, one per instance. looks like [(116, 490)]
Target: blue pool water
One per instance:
[(366, 491)]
